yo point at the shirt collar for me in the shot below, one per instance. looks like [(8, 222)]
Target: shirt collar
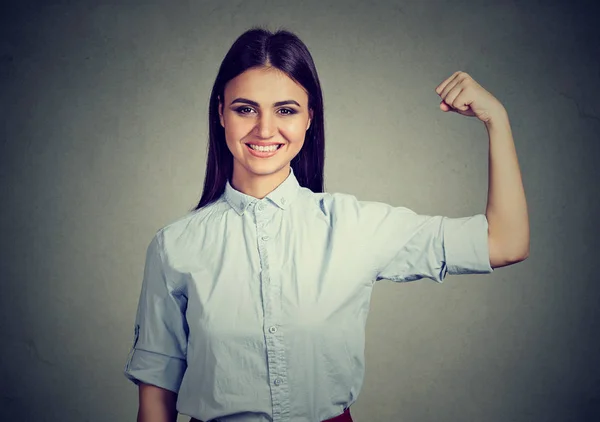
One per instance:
[(282, 195)]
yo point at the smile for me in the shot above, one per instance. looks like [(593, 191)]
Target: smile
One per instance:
[(263, 152)]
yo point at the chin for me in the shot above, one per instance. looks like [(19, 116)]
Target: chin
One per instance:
[(266, 170), (259, 169)]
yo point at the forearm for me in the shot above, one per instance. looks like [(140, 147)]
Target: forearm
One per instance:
[(506, 211), (156, 404)]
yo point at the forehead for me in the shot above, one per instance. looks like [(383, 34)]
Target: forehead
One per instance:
[(265, 84)]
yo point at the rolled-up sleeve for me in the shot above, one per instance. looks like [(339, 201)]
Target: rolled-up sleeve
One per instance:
[(405, 246), (158, 354)]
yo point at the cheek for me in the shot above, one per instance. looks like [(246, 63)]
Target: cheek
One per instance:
[(236, 129), (294, 131)]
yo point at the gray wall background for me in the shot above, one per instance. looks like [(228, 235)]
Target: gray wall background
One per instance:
[(104, 134)]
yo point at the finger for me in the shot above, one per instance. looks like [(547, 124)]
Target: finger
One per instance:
[(451, 89), (458, 79), (454, 92), (462, 100), (441, 86)]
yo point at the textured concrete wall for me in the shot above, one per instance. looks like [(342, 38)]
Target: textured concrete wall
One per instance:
[(104, 111)]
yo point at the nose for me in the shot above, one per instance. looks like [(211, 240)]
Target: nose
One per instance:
[(266, 125)]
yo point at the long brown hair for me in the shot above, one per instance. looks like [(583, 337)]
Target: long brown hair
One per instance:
[(285, 51)]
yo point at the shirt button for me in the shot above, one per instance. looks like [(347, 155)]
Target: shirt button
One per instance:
[(265, 238), (277, 381), (260, 207), (283, 200), (272, 329)]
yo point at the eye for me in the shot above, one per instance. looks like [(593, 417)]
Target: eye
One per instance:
[(243, 110), (288, 111)]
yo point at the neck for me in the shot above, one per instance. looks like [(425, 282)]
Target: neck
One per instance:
[(258, 185)]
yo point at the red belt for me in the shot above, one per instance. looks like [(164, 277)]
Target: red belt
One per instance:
[(344, 417)]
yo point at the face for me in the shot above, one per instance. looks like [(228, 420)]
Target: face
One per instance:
[(264, 106)]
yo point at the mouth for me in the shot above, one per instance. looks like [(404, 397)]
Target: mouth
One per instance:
[(265, 153)]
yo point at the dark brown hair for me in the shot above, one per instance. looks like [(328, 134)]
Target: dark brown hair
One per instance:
[(286, 52)]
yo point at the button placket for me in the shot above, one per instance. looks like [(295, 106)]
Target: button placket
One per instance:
[(271, 306)]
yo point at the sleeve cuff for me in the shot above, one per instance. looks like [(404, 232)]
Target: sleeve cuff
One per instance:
[(155, 369), (466, 246)]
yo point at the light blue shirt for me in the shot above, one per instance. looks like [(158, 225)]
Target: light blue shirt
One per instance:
[(255, 310)]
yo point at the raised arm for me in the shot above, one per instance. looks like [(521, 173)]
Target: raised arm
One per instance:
[(506, 211)]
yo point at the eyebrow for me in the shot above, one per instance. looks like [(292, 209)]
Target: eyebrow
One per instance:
[(255, 104)]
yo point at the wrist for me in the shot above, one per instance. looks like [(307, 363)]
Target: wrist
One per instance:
[(498, 118)]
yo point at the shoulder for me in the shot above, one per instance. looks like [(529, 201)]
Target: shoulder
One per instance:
[(338, 207), (327, 202), (184, 230), (350, 207)]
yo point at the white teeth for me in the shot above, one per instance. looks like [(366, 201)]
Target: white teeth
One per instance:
[(264, 149)]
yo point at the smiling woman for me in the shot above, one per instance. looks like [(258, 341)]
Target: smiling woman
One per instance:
[(267, 91), (253, 306), (265, 115)]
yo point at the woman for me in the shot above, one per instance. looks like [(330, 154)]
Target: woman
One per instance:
[(253, 306)]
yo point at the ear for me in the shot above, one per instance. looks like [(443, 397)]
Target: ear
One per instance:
[(221, 111), (310, 116)]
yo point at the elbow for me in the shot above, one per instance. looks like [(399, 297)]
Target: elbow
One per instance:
[(522, 253), (523, 256), (496, 262), (518, 256), (503, 256)]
